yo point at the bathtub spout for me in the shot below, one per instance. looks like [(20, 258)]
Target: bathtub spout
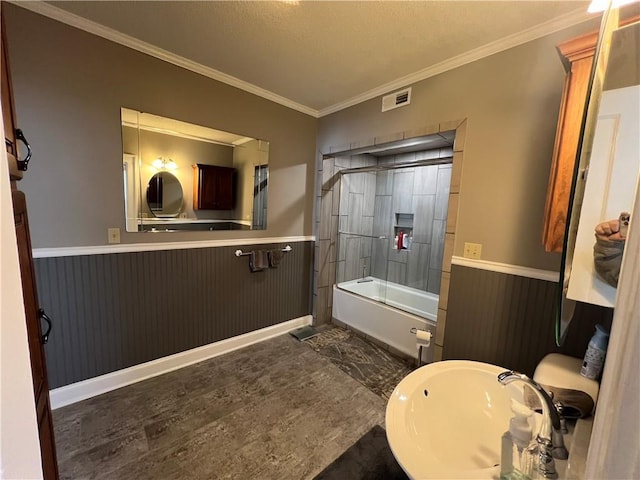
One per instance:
[(364, 278)]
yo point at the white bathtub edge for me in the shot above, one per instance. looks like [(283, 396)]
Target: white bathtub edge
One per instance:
[(387, 324)]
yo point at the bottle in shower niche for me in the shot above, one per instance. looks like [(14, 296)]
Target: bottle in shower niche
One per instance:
[(406, 242), (596, 351)]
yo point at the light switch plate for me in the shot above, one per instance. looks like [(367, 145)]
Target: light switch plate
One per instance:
[(113, 235)]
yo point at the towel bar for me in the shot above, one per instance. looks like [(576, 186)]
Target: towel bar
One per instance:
[(240, 253)]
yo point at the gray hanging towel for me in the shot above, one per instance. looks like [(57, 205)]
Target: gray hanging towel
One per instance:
[(274, 258), (258, 261)]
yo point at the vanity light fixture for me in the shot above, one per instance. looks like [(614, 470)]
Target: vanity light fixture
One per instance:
[(162, 164), (602, 5)]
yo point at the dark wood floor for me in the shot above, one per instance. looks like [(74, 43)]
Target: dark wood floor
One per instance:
[(280, 409)]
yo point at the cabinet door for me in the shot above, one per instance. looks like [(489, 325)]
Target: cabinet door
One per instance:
[(214, 188), (578, 55), (35, 338), (8, 115)]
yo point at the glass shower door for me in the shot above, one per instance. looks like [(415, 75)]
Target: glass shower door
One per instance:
[(391, 234), (361, 264)]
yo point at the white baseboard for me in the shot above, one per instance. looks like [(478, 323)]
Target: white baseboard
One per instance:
[(76, 392)]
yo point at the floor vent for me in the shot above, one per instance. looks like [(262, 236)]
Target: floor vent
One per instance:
[(304, 333), (396, 99)]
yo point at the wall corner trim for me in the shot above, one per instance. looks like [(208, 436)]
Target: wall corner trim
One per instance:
[(147, 247), (91, 387), (546, 275)]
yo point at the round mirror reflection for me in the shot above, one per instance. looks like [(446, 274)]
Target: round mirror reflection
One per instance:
[(164, 195)]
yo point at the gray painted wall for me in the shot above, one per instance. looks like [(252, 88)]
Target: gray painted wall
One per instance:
[(507, 320), (511, 100), (622, 70), (69, 87), (115, 311)]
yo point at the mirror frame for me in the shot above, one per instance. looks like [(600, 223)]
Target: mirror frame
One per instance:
[(565, 307)]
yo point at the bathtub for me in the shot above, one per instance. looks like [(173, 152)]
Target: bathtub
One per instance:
[(358, 305)]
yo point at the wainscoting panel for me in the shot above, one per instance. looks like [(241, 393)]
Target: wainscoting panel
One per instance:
[(118, 310), (508, 320)]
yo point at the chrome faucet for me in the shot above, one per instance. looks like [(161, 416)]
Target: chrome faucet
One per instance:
[(560, 452), (550, 422)]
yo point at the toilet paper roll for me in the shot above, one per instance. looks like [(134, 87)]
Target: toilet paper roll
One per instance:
[(423, 338)]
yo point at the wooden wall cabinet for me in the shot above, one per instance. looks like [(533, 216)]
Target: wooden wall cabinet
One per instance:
[(213, 187), (577, 55)]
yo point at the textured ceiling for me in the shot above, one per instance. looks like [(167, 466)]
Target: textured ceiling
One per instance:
[(322, 54)]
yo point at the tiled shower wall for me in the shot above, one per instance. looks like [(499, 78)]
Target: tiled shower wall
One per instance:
[(357, 196), (424, 193), (369, 203)]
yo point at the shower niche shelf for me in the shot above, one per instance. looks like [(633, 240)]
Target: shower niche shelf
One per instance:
[(403, 226)]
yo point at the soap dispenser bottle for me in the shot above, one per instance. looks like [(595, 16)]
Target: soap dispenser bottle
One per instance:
[(594, 356), (516, 459)]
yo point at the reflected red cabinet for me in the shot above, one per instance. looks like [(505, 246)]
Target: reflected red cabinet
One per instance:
[(213, 187)]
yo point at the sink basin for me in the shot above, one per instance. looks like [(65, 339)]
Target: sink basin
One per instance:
[(446, 420)]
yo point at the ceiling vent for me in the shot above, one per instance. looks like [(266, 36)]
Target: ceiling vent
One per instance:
[(396, 99)]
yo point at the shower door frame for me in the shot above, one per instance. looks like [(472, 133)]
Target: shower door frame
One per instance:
[(372, 270), (327, 202)]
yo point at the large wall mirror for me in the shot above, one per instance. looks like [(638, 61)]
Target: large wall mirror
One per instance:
[(606, 174), (179, 176)]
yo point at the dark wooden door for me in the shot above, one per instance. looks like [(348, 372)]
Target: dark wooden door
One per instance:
[(35, 336), (33, 313)]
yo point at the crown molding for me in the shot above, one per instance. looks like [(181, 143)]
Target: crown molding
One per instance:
[(560, 23), (94, 28), (552, 26)]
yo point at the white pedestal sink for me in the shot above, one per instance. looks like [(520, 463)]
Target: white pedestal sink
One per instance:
[(446, 420)]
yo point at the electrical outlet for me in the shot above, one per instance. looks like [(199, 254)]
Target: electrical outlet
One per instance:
[(113, 235), (472, 250)]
